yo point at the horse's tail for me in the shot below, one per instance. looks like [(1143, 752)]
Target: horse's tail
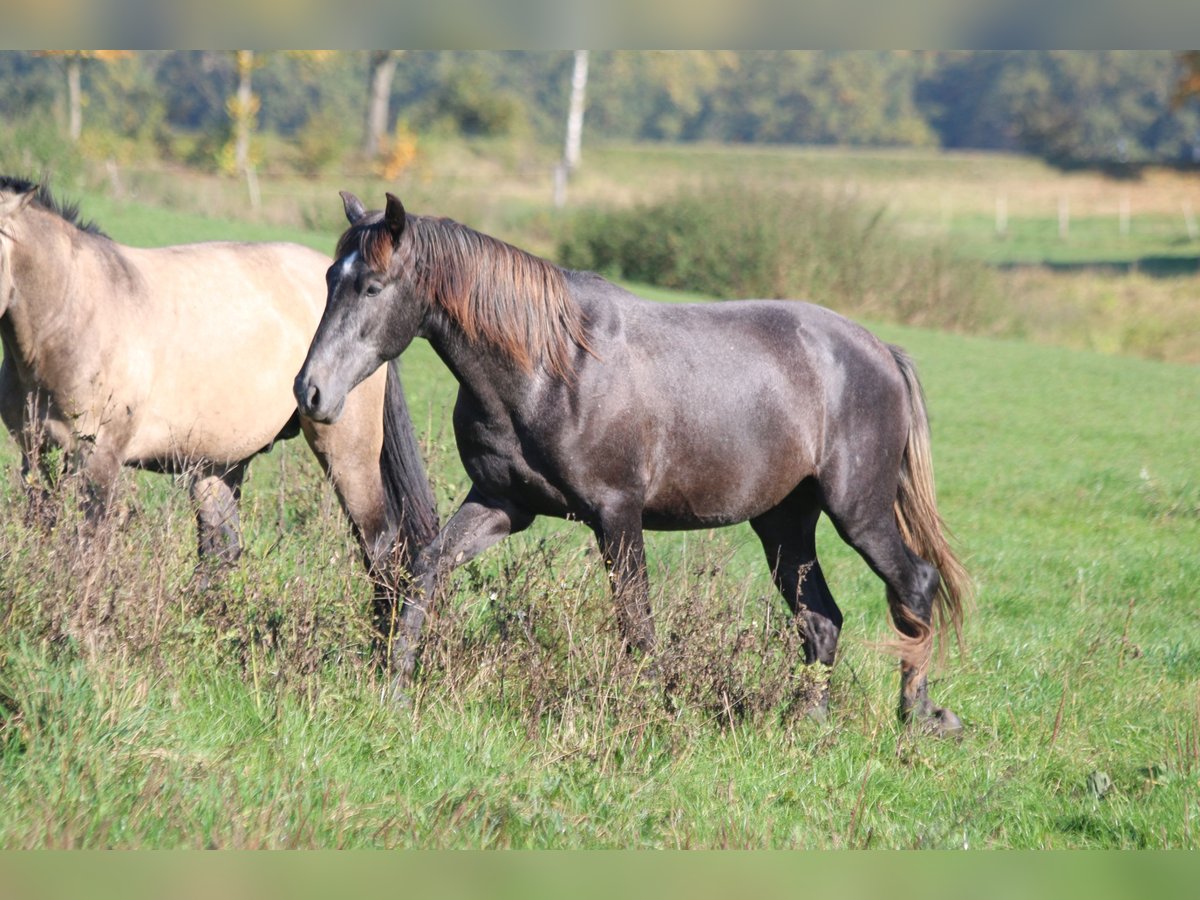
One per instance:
[(411, 509), (921, 525)]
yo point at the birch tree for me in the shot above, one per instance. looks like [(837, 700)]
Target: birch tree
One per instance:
[(573, 145), (74, 60)]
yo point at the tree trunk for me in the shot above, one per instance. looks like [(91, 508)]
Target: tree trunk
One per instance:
[(242, 121), (382, 69), (74, 97), (572, 150)]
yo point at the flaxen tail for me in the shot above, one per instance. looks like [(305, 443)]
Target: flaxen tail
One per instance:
[(920, 524)]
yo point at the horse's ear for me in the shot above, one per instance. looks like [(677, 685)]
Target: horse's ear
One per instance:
[(12, 202), (395, 216), (353, 206)]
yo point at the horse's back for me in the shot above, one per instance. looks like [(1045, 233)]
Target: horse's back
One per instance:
[(740, 345)]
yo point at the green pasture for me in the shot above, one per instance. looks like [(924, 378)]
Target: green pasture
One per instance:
[(136, 711), (1157, 244)]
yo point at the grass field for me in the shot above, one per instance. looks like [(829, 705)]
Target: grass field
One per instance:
[(136, 711)]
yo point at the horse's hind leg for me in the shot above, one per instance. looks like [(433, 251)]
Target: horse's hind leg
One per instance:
[(348, 451), (912, 584), (788, 535), (215, 496)]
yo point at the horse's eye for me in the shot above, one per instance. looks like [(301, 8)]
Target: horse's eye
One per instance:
[(373, 289)]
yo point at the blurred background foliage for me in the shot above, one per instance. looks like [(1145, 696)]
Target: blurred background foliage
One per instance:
[(1069, 107)]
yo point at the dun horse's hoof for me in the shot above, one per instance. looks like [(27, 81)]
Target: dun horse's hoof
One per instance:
[(940, 722)]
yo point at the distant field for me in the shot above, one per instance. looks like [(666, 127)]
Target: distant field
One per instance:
[(1095, 284), (505, 187), (137, 712)]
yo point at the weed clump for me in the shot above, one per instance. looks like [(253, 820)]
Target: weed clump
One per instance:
[(542, 641), (747, 240)]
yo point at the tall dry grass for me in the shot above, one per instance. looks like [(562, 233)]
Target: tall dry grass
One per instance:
[(529, 630)]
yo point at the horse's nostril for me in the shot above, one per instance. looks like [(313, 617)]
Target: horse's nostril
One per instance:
[(307, 394)]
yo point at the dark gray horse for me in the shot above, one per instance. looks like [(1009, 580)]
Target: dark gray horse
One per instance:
[(578, 399)]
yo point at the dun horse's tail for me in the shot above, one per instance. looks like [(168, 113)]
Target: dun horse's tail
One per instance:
[(921, 526), (410, 504)]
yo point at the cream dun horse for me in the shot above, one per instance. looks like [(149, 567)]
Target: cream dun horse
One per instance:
[(181, 360)]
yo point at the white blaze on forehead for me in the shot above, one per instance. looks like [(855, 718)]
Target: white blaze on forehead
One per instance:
[(348, 264)]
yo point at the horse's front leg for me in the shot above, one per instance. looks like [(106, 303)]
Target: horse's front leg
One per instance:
[(22, 413), (619, 533), (215, 495), (478, 524), (99, 461)]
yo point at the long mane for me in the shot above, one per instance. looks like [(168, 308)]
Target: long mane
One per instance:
[(495, 292), (68, 212)]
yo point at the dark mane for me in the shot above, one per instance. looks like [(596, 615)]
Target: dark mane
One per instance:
[(493, 291), (68, 212)]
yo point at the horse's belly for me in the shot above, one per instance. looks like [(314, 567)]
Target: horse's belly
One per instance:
[(702, 494), (226, 415), (216, 436), (726, 464)]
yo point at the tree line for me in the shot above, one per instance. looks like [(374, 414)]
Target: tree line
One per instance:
[(1070, 107)]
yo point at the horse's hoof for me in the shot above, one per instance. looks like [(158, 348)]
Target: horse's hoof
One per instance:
[(940, 722)]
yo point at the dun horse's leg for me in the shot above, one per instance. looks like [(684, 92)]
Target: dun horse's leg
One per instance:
[(788, 535), (40, 506), (619, 533), (19, 414), (478, 524), (351, 462), (348, 451), (911, 586), (100, 464), (216, 496), (39, 471)]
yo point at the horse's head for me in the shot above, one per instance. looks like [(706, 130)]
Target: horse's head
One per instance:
[(370, 314)]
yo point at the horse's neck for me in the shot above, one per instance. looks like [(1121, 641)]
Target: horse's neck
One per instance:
[(52, 306), (485, 372)]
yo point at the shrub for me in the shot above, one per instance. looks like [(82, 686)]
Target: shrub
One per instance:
[(740, 240), (35, 148), (320, 142)]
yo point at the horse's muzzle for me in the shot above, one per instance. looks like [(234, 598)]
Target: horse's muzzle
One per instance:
[(313, 404)]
